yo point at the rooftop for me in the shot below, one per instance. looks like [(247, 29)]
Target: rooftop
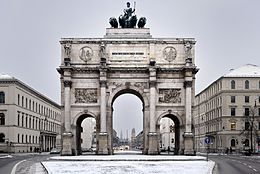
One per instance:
[(248, 70), (6, 77)]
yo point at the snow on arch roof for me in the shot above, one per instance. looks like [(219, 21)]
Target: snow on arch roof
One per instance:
[(4, 76), (248, 70)]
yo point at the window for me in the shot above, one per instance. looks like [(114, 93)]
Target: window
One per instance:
[(246, 111), (246, 142), (246, 84), (2, 119), (233, 84), (233, 142), (2, 97), (246, 99), (18, 99), (247, 125), (233, 126), (22, 138), (18, 119), (259, 99), (233, 111), (22, 101), (22, 120), (233, 99), (26, 103), (18, 138), (2, 138)]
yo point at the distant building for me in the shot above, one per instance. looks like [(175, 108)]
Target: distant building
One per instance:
[(29, 121), (226, 109), (167, 134), (133, 138), (88, 135)]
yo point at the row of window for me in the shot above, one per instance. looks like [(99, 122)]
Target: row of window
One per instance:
[(246, 84), (233, 126), (247, 111), (34, 106), (28, 121), (247, 99), (28, 139)]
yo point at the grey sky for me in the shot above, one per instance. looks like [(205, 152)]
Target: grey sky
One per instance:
[(227, 33)]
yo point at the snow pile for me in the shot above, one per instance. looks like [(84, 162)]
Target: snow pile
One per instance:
[(129, 167), (129, 158)]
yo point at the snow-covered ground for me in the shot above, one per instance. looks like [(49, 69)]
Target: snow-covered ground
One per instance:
[(129, 167), (128, 163), (129, 157)]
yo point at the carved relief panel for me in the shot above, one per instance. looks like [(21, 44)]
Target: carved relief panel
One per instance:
[(85, 95), (170, 95)]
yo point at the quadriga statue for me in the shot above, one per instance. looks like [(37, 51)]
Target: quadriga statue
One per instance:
[(128, 19)]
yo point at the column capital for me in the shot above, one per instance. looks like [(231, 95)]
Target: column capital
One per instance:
[(187, 84), (67, 83), (152, 84), (103, 83)]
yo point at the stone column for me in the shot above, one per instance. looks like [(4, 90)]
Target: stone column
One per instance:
[(67, 135), (103, 122), (188, 135), (103, 136), (153, 140)]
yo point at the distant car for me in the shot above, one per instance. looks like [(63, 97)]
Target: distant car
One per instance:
[(55, 151)]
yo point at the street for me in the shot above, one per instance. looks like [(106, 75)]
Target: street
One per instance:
[(21, 163), (235, 164)]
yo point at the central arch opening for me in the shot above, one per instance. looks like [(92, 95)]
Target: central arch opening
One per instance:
[(127, 124), (169, 128), (86, 135)]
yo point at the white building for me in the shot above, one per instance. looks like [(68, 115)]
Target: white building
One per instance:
[(89, 133), (29, 121), (226, 110), (167, 134)]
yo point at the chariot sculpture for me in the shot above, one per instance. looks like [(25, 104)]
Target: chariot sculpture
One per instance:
[(128, 19)]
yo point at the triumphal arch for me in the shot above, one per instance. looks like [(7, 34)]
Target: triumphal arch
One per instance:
[(95, 71)]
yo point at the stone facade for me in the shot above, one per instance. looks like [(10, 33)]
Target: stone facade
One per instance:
[(95, 71), (29, 121), (226, 109)]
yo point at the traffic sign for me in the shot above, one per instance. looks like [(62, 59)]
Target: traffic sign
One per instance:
[(207, 140)]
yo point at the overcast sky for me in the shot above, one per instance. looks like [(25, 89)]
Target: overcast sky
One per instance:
[(227, 33)]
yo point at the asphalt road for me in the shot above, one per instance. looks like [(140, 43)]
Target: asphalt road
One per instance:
[(8, 163), (234, 164)]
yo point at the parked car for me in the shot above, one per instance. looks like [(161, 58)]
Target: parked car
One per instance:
[(55, 151)]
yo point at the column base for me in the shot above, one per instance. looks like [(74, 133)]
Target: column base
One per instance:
[(153, 143), (102, 144), (188, 144), (67, 144)]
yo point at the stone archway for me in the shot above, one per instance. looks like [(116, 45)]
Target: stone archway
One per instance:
[(78, 131), (95, 71), (177, 132), (138, 93)]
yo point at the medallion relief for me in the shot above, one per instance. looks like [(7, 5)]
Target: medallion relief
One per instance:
[(170, 95), (83, 95), (85, 53), (169, 54)]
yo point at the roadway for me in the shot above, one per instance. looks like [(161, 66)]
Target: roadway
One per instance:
[(236, 164), (20, 163)]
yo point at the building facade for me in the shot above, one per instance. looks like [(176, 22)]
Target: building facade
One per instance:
[(167, 135), (228, 112), (29, 121)]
